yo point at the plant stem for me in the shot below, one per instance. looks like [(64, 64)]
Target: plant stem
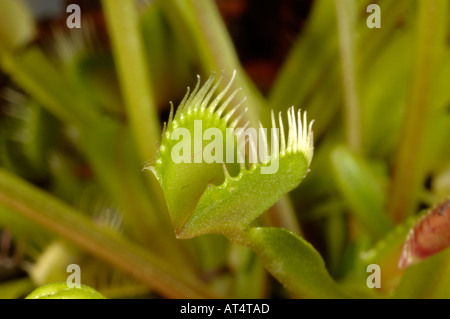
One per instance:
[(408, 171), (123, 25), (292, 261), (72, 226), (346, 20)]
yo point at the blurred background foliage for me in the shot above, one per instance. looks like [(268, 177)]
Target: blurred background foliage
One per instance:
[(81, 112)]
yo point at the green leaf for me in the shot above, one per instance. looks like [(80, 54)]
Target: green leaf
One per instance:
[(294, 262), (427, 279), (362, 190), (60, 290), (36, 74), (16, 288), (233, 205), (386, 253), (60, 219), (16, 25)]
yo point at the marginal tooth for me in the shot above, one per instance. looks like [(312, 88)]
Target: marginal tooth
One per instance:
[(294, 131), (289, 140), (300, 136), (253, 156), (211, 92), (221, 95), (170, 114), (225, 104), (272, 116), (310, 133), (264, 145), (310, 141), (241, 130), (282, 138), (183, 102), (164, 130), (188, 103), (274, 140), (305, 125), (202, 92)]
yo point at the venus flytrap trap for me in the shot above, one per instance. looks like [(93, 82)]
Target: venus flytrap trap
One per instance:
[(226, 195), (202, 195), (429, 235), (408, 251), (185, 179), (230, 207)]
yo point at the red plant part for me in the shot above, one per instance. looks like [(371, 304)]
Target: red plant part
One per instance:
[(429, 235)]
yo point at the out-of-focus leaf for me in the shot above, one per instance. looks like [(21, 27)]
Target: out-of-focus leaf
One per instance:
[(16, 25), (26, 136), (335, 228), (384, 92), (41, 79), (438, 146), (166, 55), (294, 262), (51, 265), (362, 190), (385, 253), (441, 183), (249, 273), (427, 279), (316, 46), (408, 167), (21, 228), (14, 289)]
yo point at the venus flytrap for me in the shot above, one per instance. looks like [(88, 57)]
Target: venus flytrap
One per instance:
[(205, 198), (184, 181), (202, 196)]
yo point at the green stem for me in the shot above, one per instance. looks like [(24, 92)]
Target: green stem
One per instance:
[(123, 25), (346, 21), (292, 261), (71, 225), (408, 168)]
